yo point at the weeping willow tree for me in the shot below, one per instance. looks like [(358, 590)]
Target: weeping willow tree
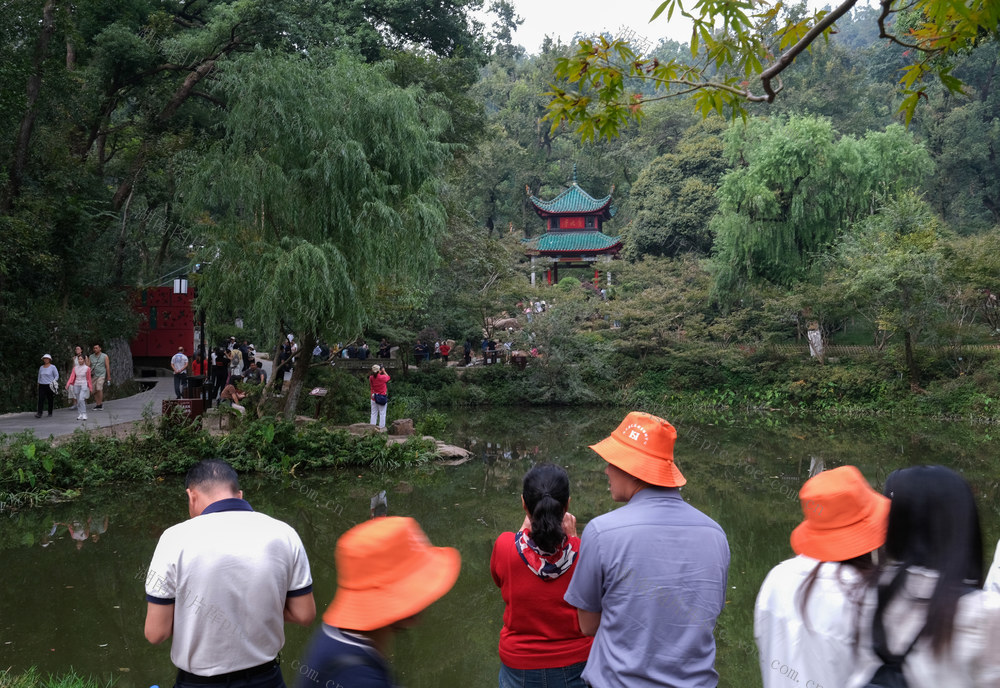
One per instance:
[(794, 188), (320, 189)]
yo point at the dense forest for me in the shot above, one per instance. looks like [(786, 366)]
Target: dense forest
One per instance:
[(340, 170)]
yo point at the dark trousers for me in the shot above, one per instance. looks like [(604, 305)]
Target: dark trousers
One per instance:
[(249, 678), (180, 382), (45, 393), (219, 381)]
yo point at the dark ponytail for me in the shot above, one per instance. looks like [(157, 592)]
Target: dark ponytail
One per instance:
[(546, 496)]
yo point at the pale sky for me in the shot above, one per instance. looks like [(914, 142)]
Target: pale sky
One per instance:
[(564, 18)]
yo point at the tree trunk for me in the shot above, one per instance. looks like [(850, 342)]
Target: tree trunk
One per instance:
[(182, 93), (120, 356), (30, 111), (295, 385), (911, 361)]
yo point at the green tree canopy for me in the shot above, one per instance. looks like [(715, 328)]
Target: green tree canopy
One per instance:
[(892, 267), (673, 200), (321, 189), (794, 187), (739, 50)]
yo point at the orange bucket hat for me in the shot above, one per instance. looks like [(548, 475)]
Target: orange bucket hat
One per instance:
[(388, 570), (643, 447), (844, 516)]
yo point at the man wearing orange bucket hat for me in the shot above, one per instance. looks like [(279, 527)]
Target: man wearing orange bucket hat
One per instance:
[(651, 579), (807, 608), (387, 573)]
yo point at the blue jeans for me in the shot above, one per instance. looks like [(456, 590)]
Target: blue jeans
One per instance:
[(180, 382), (560, 677)]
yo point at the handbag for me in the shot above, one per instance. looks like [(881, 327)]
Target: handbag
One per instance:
[(381, 399), (54, 386)]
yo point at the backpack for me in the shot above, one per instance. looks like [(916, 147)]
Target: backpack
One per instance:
[(890, 674)]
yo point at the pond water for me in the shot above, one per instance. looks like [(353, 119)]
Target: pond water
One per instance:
[(73, 573)]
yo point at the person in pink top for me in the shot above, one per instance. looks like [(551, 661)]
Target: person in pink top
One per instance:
[(377, 384), (80, 385), (541, 642)]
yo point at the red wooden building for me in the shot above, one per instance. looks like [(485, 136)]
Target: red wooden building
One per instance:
[(168, 322), (573, 238)]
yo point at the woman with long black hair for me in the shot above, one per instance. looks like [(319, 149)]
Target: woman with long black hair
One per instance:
[(928, 607), (541, 643)]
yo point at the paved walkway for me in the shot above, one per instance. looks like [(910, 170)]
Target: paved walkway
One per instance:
[(63, 420)]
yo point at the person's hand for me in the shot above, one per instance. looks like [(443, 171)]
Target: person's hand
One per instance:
[(526, 525), (569, 524)]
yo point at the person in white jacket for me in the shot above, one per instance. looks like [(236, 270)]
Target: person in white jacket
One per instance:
[(928, 602), (807, 611)]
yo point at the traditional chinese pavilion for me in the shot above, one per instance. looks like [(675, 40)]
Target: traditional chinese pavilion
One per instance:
[(573, 238)]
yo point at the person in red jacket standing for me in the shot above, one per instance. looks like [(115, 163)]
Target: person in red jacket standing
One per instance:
[(377, 384), (541, 642)]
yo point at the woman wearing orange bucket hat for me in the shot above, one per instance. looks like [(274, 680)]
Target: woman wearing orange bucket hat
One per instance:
[(387, 573), (806, 616)]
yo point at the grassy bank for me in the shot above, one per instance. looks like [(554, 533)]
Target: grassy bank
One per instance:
[(34, 471), (32, 678), (962, 385)]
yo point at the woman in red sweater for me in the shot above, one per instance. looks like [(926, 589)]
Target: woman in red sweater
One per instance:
[(541, 642)]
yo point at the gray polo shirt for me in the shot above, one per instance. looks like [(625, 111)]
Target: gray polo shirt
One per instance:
[(656, 571)]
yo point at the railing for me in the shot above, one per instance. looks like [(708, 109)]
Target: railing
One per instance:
[(356, 365), (855, 349)]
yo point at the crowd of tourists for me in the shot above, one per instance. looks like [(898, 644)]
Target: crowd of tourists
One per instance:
[(884, 590)]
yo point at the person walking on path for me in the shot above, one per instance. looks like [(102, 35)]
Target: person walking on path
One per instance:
[(377, 384), (541, 643), (77, 352), (100, 373), (651, 580), (806, 615), (387, 573), (48, 378), (81, 385), (220, 372), (235, 362), (179, 364), (223, 584)]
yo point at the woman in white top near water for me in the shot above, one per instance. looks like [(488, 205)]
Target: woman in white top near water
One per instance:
[(80, 385), (806, 618), (929, 600)]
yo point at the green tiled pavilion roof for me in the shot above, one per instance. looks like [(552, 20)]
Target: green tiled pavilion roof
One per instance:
[(573, 200), (573, 242)]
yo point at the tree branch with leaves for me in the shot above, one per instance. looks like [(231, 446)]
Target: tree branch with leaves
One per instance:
[(739, 50)]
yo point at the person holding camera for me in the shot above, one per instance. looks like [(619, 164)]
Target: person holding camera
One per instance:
[(377, 384)]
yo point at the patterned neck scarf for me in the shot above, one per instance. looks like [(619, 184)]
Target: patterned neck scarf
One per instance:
[(547, 566)]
